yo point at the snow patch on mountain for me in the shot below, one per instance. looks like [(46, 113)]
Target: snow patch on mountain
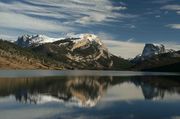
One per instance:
[(89, 37), (36, 40)]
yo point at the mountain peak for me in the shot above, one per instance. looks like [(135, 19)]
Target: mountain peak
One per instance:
[(88, 38), (35, 40), (152, 49), (149, 51)]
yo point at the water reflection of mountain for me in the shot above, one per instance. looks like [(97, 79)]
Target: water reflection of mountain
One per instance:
[(82, 91), (156, 87)]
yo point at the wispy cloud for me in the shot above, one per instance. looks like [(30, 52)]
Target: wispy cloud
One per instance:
[(173, 26), (175, 8), (80, 11), (59, 16), (91, 11), (162, 1), (171, 7), (178, 12), (20, 21)]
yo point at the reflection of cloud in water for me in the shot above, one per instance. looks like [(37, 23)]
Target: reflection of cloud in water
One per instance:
[(116, 109), (124, 110), (124, 91), (110, 97)]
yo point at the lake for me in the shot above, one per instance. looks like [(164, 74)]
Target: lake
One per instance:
[(43, 94)]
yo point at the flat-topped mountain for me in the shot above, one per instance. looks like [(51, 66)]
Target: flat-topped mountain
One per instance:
[(151, 49), (157, 58)]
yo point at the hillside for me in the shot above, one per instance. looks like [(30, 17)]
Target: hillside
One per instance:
[(169, 61), (15, 57), (174, 67)]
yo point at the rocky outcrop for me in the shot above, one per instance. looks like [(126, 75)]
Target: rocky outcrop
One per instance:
[(151, 50)]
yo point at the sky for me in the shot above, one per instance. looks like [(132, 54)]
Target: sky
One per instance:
[(123, 25)]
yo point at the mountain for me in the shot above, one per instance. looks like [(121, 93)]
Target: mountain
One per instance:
[(149, 51), (83, 51), (34, 40), (157, 58), (13, 56)]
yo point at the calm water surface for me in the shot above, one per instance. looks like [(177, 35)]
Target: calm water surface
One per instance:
[(89, 95)]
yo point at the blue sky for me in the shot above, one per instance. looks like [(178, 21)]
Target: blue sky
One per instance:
[(124, 25)]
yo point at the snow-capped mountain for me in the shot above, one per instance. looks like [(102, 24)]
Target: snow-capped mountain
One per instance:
[(73, 51), (34, 40)]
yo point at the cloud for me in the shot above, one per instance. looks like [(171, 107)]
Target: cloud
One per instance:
[(172, 45), (173, 26), (171, 7), (59, 16), (129, 48), (178, 12), (175, 117), (3, 36), (132, 26), (130, 40), (174, 7), (124, 49), (19, 21), (72, 10), (162, 1), (157, 16)]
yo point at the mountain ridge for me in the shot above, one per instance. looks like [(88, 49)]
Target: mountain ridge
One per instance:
[(82, 51)]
